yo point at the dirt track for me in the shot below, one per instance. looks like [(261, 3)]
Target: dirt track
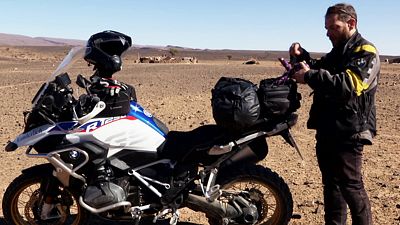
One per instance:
[(179, 95)]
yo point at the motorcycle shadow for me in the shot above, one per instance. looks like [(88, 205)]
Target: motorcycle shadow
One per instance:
[(99, 221)]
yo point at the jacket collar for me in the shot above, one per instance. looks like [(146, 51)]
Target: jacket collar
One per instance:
[(352, 40)]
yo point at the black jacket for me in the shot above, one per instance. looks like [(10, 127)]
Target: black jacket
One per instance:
[(344, 82)]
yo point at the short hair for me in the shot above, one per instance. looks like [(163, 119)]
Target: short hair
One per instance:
[(345, 11)]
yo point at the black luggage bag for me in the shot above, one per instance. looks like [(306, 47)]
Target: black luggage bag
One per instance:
[(235, 103), (278, 98)]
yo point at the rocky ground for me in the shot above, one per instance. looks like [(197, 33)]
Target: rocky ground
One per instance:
[(179, 95)]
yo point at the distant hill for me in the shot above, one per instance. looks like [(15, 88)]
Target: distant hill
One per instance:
[(21, 40), (154, 50), (143, 50), (32, 43)]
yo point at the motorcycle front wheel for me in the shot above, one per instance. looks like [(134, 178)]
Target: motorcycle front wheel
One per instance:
[(270, 193), (23, 202)]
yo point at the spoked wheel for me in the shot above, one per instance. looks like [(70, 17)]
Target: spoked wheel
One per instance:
[(263, 188), (23, 203)]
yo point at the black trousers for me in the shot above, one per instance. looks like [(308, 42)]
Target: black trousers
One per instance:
[(340, 164)]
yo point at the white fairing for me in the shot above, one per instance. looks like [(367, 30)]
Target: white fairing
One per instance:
[(120, 133), (33, 136)]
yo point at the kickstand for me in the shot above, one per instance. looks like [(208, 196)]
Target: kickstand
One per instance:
[(289, 139)]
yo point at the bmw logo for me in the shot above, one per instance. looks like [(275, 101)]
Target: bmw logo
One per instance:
[(74, 154)]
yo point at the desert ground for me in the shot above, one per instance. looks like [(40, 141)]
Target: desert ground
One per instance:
[(179, 95)]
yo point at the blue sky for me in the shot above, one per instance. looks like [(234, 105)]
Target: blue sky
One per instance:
[(213, 24)]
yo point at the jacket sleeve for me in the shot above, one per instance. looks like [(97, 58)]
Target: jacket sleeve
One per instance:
[(363, 68), (359, 74)]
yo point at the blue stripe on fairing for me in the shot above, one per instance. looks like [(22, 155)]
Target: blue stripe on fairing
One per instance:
[(67, 125), (64, 126), (139, 112)]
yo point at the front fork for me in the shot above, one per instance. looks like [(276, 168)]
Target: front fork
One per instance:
[(49, 189)]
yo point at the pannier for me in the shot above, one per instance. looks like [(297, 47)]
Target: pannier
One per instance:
[(235, 103), (278, 98)]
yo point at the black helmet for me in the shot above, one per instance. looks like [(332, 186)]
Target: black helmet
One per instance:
[(104, 50)]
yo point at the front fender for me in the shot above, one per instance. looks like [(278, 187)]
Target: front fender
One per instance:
[(46, 168)]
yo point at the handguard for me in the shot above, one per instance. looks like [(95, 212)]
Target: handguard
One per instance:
[(100, 106)]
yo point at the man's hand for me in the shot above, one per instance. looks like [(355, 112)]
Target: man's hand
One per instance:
[(295, 50), (299, 75)]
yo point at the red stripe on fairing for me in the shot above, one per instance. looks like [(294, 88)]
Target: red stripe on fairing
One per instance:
[(130, 118), (124, 118)]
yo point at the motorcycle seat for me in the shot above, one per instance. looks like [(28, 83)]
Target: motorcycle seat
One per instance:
[(192, 146), (181, 144)]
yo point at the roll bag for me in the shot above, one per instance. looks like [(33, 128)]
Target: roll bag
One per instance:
[(235, 103)]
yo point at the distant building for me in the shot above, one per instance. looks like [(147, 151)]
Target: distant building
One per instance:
[(395, 60)]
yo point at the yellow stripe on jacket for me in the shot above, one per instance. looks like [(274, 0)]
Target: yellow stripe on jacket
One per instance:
[(367, 48), (356, 82)]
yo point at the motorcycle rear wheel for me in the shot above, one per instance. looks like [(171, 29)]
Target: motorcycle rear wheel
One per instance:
[(22, 204), (275, 205)]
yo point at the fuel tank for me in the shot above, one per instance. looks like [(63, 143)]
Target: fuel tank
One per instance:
[(137, 131)]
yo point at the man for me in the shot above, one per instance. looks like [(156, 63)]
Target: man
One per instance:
[(344, 83)]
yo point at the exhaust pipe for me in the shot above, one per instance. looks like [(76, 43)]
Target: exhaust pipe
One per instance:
[(215, 208)]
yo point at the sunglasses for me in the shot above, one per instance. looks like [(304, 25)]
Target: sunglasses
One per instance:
[(347, 13), (341, 11)]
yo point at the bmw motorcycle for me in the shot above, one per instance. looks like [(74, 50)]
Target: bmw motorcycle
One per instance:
[(152, 172)]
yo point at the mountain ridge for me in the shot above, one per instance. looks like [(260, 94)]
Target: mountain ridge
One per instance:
[(23, 40), (19, 40)]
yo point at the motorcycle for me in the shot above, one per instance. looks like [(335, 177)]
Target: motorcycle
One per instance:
[(153, 172)]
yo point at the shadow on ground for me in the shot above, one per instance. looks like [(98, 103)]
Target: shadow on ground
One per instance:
[(99, 221)]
